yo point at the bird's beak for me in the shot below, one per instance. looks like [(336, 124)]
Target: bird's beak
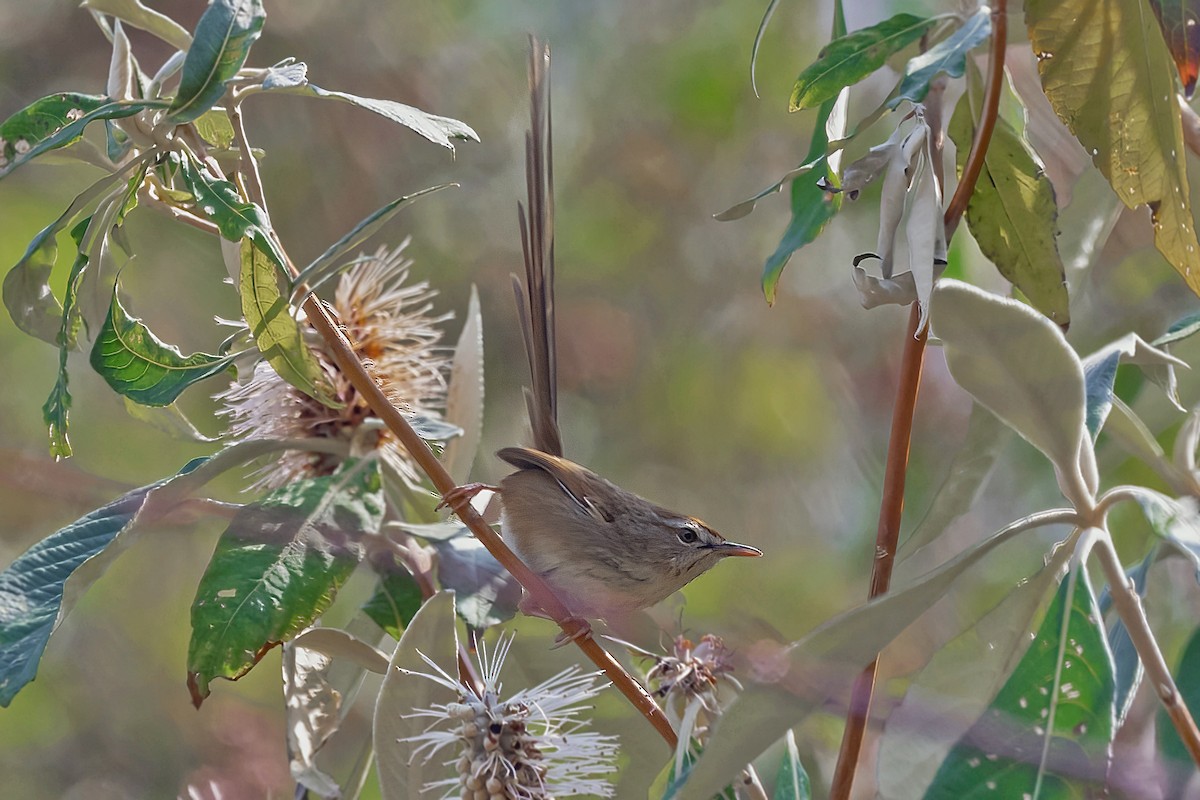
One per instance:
[(734, 549)]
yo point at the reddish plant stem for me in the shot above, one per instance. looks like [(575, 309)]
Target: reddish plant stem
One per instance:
[(892, 503)]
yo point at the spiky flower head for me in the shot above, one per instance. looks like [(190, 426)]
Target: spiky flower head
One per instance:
[(689, 682), (392, 328), (530, 746)]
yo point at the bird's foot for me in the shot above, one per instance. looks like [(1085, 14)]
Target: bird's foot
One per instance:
[(465, 493), (581, 629), (573, 627)]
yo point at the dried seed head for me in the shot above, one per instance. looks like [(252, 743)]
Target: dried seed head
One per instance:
[(391, 326)]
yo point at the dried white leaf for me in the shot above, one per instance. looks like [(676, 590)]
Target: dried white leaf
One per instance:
[(1156, 363), (120, 68), (863, 171), (872, 291), (1186, 441), (313, 708), (464, 399)]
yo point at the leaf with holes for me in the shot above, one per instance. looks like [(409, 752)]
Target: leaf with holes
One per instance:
[(277, 568), (57, 121), (137, 364), (1108, 75), (235, 217), (825, 659), (222, 41), (1051, 725)]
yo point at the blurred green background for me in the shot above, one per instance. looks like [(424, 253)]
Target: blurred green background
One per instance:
[(678, 382)]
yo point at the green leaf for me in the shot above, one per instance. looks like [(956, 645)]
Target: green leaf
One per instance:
[(1181, 329), (276, 332), (431, 635), (277, 568), (812, 208), (57, 406), (219, 48), (1187, 681), (847, 60), (959, 683), (137, 364), (27, 294), (1108, 75), (439, 130), (670, 782), (1179, 21), (42, 118), (948, 56), (215, 128), (1174, 521), (41, 587), (57, 121), (149, 20), (267, 312), (1100, 373), (1048, 734), (792, 783), (813, 205), (840, 647), (396, 600), (1017, 363), (235, 217), (487, 593), (327, 262), (1012, 212)]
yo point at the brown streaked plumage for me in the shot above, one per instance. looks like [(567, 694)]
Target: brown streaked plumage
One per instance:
[(602, 549)]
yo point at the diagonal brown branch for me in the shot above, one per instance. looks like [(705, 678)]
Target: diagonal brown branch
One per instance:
[(342, 351), (892, 504)]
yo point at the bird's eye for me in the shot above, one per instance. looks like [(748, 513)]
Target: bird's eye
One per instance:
[(688, 536)]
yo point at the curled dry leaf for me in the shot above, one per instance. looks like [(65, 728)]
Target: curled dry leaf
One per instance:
[(908, 184)]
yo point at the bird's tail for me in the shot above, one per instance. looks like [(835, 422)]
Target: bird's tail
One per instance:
[(535, 299)]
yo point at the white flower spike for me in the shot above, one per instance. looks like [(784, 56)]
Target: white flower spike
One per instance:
[(530, 746)]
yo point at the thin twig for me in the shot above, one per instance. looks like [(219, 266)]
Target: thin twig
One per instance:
[(892, 503), (342, 352), (1129, 608), (321, 317)]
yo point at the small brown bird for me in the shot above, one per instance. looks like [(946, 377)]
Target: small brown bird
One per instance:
[(602, 549)]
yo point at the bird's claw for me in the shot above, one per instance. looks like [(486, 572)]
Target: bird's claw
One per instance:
[(465, 493), (583, 630)]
